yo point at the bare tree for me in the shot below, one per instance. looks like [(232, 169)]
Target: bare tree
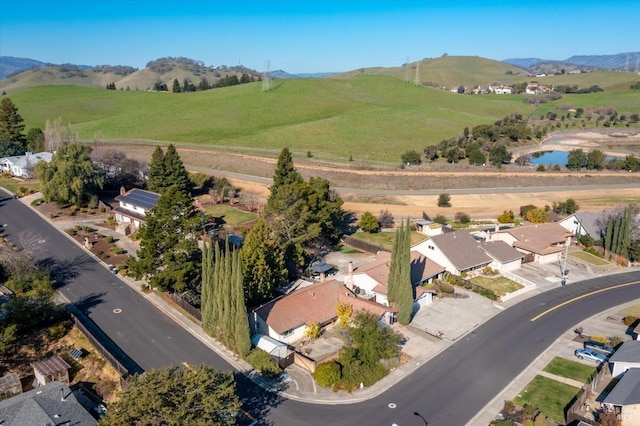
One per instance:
[(58, 133), (21, 261), (523, 160)]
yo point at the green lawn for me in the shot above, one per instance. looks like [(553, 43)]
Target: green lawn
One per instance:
[(589, 258), (499, 285), (348, 250), (570, 369), (12, 185), (549, 396), (231, 215), (385, 239)]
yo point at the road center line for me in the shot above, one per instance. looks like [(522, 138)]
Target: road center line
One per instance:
[(582, 297)]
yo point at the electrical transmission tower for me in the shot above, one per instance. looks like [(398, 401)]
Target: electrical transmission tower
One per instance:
[(416, 80), (266, 83), (406, 71)]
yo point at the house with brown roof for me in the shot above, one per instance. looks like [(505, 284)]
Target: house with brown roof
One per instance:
[(287, 317), (541, 243), (458, 252), (370, 281)]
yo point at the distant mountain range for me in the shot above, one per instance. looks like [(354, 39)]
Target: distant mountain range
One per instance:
[(629, 62), (10, 65)]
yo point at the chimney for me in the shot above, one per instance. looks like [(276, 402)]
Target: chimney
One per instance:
[(62, 395), (349, 280), (122, 190), (322, 277), (497, 228)]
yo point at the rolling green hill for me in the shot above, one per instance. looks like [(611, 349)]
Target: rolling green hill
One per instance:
[(371, 117), (376, 116), (453, 71)]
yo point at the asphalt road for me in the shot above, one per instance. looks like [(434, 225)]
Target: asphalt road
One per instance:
[(448, 390)]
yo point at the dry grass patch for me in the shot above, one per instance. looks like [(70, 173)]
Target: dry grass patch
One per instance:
[(499, 285), (589, 258)]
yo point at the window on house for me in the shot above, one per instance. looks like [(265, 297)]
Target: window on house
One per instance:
[(287, 333)]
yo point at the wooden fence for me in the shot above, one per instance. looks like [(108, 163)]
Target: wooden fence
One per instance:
[(362, 245), (186, 306)]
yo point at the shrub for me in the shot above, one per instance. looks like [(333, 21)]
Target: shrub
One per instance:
[(600, 339), (445, 287), (73, 208), (37, 202), (52, 215), (462, 218), (109, 239), (111, 221), (629, 320), (327, 373), (593, 251), (116, 250), (313, 331), (101, 209), (540, 168), (57, 331), (88, 229), (261, 361), (444, 200)]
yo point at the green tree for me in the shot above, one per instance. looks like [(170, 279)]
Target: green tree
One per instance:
[(169, 255), (71, 176), (166, 170), (399, 286), (263, 264), (474, 153), (28, 312), (175, 396), (369, 223), (204, 84), (35, 140), (176, 86), (411, 157), (155, 176), (595, 159), (7, 337), (240, 322), (499, 155), (12, 125), (576, 159), (373, 341), (8, 148), (631, 163), (444, 200)]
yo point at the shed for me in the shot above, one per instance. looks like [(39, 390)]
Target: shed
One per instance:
[(321, 268), (271, 346), (10, 386), (54, 369)]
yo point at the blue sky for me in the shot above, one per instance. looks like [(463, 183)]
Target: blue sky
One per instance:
[(313, 36)]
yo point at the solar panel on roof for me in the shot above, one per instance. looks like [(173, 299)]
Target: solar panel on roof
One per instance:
[(144, 199)]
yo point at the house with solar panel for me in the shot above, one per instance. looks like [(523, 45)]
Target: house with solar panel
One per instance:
[(133, 208)]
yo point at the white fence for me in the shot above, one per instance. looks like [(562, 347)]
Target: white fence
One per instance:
[(528, 286)]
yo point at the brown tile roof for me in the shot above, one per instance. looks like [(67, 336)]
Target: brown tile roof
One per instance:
[(543, 238), (422, 268), (315, 303), (461, 249)]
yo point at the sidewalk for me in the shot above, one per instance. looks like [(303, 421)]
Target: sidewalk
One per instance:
[(454, 317)]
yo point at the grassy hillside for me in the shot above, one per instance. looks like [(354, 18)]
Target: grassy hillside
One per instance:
[(376, 116), (452, 71)]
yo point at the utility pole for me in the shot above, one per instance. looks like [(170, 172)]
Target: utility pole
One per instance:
[(416, 80)]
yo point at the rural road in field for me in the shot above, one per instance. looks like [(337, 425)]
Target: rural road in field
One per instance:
[(448, 390)]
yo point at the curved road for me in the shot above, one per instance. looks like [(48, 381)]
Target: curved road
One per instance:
[(448, 390)]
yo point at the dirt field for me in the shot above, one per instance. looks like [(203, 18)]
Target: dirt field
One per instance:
[(375, 187)]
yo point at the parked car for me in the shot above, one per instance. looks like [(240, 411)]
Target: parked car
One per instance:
[(599, 347), (590, 355)]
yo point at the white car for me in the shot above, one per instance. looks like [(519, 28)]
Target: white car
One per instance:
[(591, 355)]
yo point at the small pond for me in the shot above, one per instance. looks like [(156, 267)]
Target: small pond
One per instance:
[(550, 157)]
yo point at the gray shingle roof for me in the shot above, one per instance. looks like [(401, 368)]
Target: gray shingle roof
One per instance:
[(627, 391), (461, 249), (629, 351), (45, 405), (501, 251)]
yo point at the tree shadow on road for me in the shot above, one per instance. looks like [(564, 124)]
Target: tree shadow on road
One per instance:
[(257, 401), (61, 272)]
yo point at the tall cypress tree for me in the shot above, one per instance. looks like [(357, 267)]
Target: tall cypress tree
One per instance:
[(394, 268), (155, 178), (206, 296), (404, 291), (227, 297), (240, 321), (608, 236)]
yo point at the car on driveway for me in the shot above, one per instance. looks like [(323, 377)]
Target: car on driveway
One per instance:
[(591, 355), (599, 347)]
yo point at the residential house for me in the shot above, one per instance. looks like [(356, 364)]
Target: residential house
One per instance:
[(626, 356), (500, 90), (624, 398), (459, 252), (52, 404), (287, 317), (589, 223), (134, 205), (541, 243), (370, 281), (23, 165), (429, 228)]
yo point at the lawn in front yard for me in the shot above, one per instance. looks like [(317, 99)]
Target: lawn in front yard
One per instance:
[(385, 239), (549, 396), (11, 184), (570, 369), (499, 285), (589, 258), (231, 215)]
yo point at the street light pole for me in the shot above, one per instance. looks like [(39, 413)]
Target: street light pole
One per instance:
[(564, 266)]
